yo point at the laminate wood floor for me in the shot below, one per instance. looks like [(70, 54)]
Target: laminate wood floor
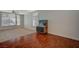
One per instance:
[(13, 33), (38, 40)]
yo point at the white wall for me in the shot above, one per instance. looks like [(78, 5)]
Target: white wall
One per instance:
[(22, 20), (28, 21), (63, 23)]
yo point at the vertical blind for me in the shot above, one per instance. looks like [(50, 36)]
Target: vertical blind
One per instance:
[(9, 19)]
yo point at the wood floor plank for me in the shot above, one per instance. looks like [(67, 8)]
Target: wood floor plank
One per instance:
[(38, 40)]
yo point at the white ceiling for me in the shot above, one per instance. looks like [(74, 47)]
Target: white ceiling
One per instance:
[(18, 11)]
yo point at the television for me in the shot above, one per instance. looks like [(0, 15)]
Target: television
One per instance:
[(42, 27), (42, 23)]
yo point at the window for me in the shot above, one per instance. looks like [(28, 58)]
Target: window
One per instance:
[(8, 19), (35, 19)]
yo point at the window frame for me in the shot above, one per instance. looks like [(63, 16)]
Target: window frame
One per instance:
[(8, 16)]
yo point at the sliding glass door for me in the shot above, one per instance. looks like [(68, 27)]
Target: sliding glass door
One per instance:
[(8, 19)]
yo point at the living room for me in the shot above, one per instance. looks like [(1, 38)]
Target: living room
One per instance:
[(39, 29), (61, 27)]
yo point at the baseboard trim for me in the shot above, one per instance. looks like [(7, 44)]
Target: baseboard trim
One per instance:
[(65, 36)]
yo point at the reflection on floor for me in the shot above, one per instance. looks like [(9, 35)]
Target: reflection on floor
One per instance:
[(13, 33), (37, 40)]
